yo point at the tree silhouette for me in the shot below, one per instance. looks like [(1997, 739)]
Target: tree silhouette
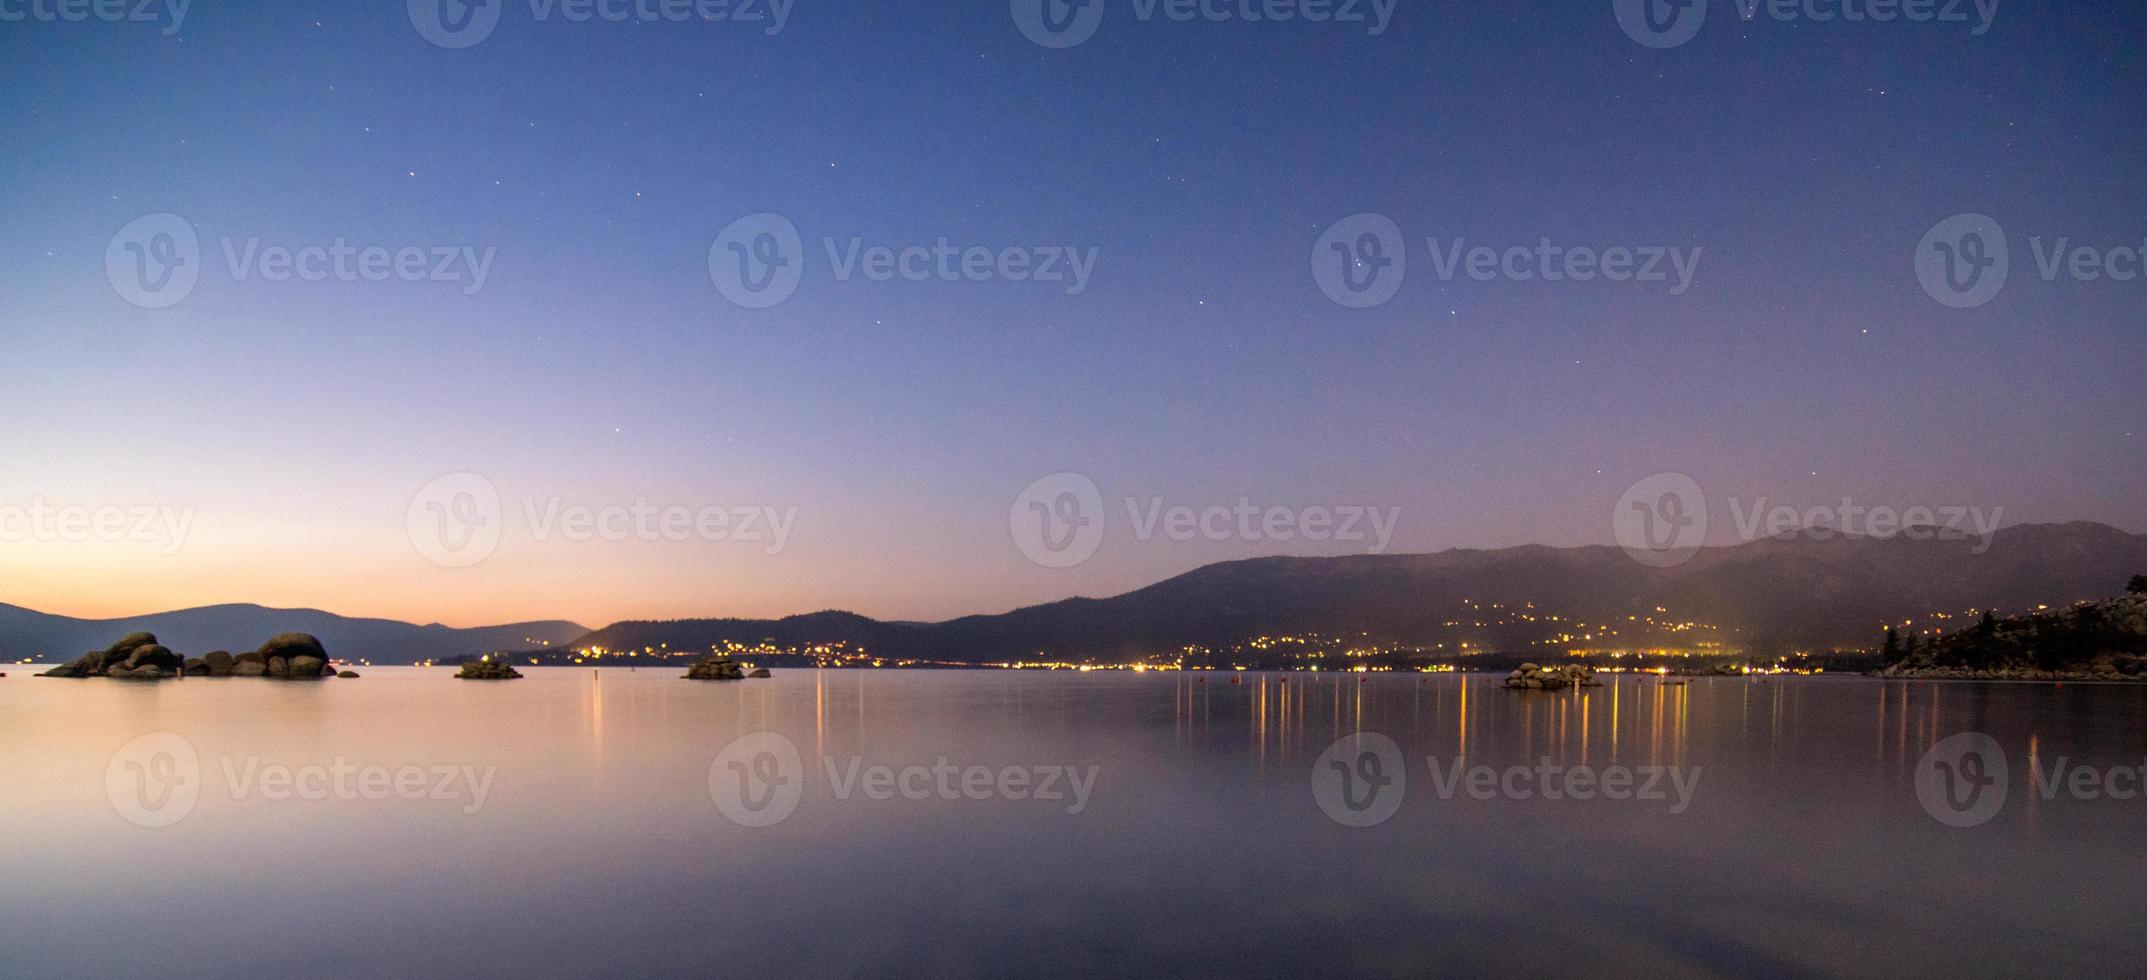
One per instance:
[(2138, 586)]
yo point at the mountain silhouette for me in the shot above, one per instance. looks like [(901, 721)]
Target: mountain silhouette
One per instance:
[(27, 633), (1807, 589)]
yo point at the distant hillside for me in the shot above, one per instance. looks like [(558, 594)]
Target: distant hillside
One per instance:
[(2104, 640), (1802, 590), (45, 637)]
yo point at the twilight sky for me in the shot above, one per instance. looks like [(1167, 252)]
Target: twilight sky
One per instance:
[(297, 426)]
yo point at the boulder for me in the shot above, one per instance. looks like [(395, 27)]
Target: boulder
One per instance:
[(86, 665), (154, 655), (249, 668), (279, 667), (289, 645), (127, 643), (252, 656), (220, 663), (348, 675), (195, 667), (759, 672), (306, 668)]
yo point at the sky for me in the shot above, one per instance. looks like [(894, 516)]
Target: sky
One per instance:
[(627, 417)]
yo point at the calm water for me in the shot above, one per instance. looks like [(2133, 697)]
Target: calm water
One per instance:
[(599, 847)]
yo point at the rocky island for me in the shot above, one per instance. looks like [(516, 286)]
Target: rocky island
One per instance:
[(1530, 677), (721, 668), (488, 669), (139, 657)]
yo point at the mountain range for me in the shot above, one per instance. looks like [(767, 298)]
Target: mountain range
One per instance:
[(1808, 589), (27, 633), (1813, 588)]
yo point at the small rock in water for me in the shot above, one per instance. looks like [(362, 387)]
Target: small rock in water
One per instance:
[(715, 668), (487, 669), (1531, 677)]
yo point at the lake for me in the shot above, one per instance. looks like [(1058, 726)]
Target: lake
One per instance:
[(1023, 823)]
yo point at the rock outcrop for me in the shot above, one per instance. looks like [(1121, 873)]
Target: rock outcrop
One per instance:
[(488, 669), (715, 668), (1530, 677), (2091, 641), (139, 656)]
